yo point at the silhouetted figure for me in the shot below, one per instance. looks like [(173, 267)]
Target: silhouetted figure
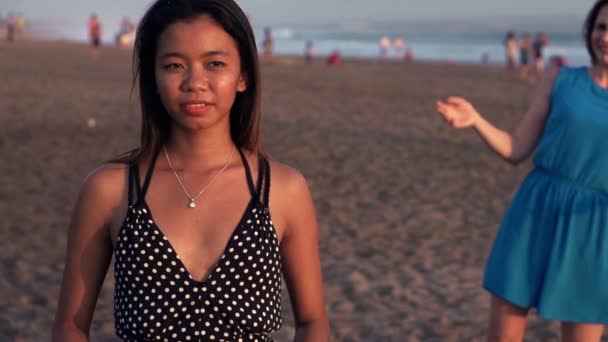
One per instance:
[(537, 52), (399, 46), (309, 52), (11, 27), (384, 44), (126, 33), (511, 50), (525, 45), (268, 43), (19, 26), (334, 59), (94, 27), (409, 55)]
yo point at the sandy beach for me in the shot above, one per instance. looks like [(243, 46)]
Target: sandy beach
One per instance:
[(408, 208)]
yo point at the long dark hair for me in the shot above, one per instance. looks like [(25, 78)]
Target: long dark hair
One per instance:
[(245, 115), (588, 27)]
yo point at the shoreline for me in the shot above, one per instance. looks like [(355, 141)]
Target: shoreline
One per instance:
[(280, 58)]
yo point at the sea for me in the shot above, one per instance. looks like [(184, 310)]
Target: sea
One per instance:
[(440, 43), (452, 47)]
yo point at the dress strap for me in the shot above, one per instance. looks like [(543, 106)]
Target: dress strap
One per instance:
[(144, 190), (135, 171), (266, 197), (131, 183), (261, 167), (141, 191), (248, 174)]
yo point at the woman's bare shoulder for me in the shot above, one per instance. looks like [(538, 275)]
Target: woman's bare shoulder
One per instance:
[(287, 178), (108, 174), (106, 183)]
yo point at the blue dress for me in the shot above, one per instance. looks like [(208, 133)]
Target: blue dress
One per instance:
[(551, 251)]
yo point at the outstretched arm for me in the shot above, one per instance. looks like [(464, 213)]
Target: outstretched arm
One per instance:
[(514, 147)]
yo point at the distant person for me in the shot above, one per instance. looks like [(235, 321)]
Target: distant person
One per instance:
[(94, 27), (485, 58), (409, 55), (385, 45), (399, 47), (126, 34), (511, 51), (20, 26), (556, 62), (551, 251), (334, 59), (11, 28), (126, 25), (194, 259), (525, 45), (538, 47), (309, 51), (268, 43)]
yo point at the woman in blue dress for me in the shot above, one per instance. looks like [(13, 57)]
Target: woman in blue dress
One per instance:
[(551, 251)]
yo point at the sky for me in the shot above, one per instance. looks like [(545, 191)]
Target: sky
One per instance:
[(287, 13), (315, 11)]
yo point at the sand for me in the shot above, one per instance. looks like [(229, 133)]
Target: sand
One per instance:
[(407, 207)]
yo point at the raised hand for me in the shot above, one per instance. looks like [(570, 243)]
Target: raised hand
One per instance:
[(458, 112)]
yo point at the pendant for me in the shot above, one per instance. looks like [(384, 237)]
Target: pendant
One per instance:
[(192, 204)]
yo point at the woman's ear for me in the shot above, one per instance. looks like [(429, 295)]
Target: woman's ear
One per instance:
[(242, 85)]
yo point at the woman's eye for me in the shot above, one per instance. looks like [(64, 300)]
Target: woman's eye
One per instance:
[(216, 64), (172, 66)]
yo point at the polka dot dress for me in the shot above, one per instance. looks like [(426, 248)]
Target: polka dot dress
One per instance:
[(156, 299)]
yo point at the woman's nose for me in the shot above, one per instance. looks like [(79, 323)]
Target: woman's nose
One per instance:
[(196, 80)]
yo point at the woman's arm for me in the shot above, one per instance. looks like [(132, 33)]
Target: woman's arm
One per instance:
[(513, 147), (89, 251), (300, 256)]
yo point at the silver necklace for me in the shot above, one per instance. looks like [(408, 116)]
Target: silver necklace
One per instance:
[(191, 204)]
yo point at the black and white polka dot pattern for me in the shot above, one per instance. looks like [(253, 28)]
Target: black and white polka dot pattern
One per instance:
[(156, 299)]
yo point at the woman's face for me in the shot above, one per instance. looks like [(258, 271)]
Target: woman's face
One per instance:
[(599, 37), (198, 73)]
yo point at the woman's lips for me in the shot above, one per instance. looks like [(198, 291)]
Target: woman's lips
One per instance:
[(196, 107)]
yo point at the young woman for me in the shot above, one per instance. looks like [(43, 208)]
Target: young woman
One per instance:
[(551, 252), (187, 215)]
